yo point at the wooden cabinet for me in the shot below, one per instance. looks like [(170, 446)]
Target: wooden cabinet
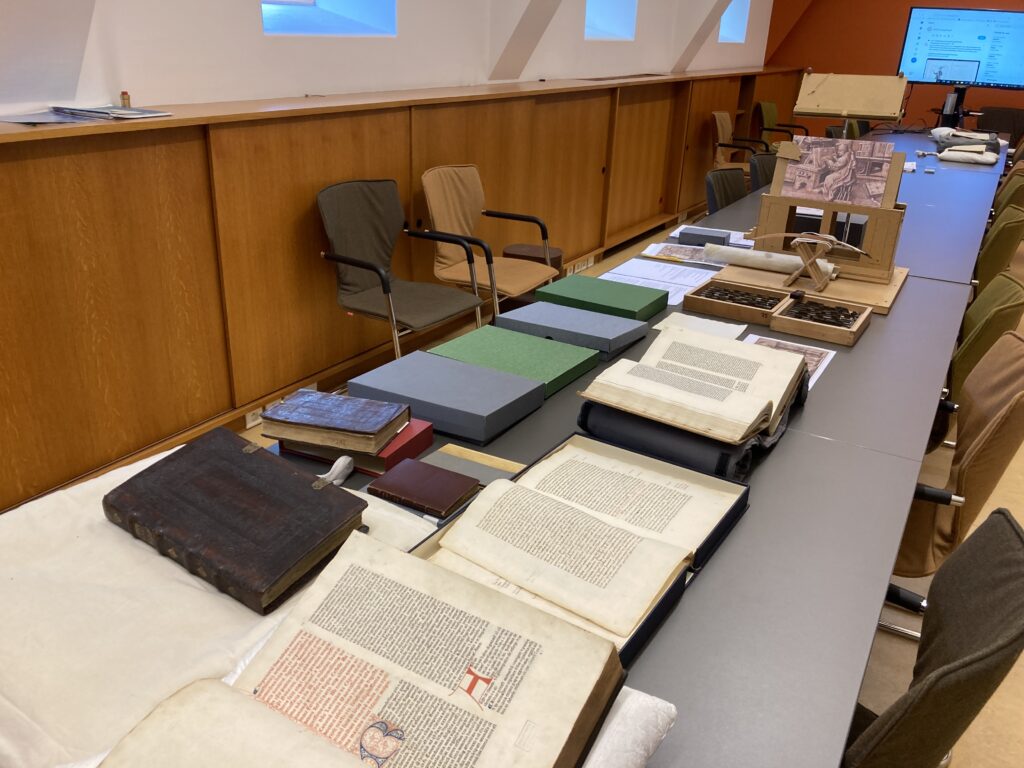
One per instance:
[(163, 276)]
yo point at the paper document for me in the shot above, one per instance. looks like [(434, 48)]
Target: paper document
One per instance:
[(684, 253), (701, 324), (674, 278), (816, 357)]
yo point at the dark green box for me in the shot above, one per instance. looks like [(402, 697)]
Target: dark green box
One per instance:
[(620, 299)]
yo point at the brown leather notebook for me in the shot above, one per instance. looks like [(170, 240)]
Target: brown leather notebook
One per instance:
[(243, 519), (423, 486)]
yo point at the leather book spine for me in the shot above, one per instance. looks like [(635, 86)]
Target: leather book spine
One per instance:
[(405, 502), (191, 558)]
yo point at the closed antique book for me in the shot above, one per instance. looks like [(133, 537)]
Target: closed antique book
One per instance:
[(425, 487), (636, 302), (412, 440), (243, 519), (335, 421)]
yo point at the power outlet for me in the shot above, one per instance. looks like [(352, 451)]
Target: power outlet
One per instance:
[(254, 418)]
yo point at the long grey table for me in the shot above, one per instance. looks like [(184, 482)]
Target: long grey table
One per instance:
[(765, 654)]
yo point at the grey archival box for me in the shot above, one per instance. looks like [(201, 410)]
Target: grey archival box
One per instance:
[(459, 399), (608, 334)]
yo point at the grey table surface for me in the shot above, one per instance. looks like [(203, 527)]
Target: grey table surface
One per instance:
[(765, 654), (946, 212)]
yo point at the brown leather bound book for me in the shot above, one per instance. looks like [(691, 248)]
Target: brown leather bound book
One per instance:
[(423, 486), (335, 421), (243, 519)]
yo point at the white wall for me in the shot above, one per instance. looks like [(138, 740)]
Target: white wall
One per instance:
[(183, 51), (716, 55)]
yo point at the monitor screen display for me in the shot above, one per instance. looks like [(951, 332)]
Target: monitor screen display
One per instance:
[(964, 47)]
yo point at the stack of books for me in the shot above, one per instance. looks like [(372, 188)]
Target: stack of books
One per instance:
[(324, 426)]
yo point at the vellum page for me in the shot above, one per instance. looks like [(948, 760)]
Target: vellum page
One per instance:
[(392, 658), (648, 497), (211, 725), (448, 560), (605, 573), (680, 400), (767, 260)]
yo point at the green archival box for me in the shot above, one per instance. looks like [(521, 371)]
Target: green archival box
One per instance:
[(552, 362), (621, 299)]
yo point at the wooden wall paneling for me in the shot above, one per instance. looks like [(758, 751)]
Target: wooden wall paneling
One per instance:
[(283, 320), (706, 96), (568, 163), (110, 309), (677, 145), (496, 137), (542, 156), (641, 148)]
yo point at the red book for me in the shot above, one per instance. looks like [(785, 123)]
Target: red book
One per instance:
[(416, 437)]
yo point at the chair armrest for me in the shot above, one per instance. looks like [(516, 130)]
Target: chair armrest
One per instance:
[(795, 127), (385, 279), (937, 496), (519, 217), (443, 237), (777, 130), (751, 150), (749, 140)]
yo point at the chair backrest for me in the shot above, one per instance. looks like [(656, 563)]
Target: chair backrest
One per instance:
[(769, 119), (1000, 244), (834, 131), (1003, 120), (455, 199), (722, 124), (997, 309), (1010, 193), (723, 187), (973, 633), (362, 220), (990, 425), (762, 169)]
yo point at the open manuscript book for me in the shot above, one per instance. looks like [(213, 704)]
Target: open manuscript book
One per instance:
[(720, 388), (592, 534), (388, 660)]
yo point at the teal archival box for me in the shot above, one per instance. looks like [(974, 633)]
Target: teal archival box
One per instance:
[(553, 363), (621, 299)]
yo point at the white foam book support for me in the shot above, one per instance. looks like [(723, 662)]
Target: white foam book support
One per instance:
[(459, 399)]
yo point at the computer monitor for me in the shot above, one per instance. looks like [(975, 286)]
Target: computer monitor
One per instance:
[(964, 47)]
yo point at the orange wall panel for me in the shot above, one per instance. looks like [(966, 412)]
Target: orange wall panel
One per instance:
[(867, 39)]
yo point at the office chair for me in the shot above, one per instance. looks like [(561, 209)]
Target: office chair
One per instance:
[(455, 200), (972, 634), (727, 145), (724, 186), (999, 244), (1003, 120), (762, 170), (1010, 192), (990, 428), (997, 309), (770, 123), (853, 129), (362, 220)]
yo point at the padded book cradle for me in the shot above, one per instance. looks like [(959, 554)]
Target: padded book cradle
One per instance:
[(687, 449), (459, 399), (608, 334), (661, 609)]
